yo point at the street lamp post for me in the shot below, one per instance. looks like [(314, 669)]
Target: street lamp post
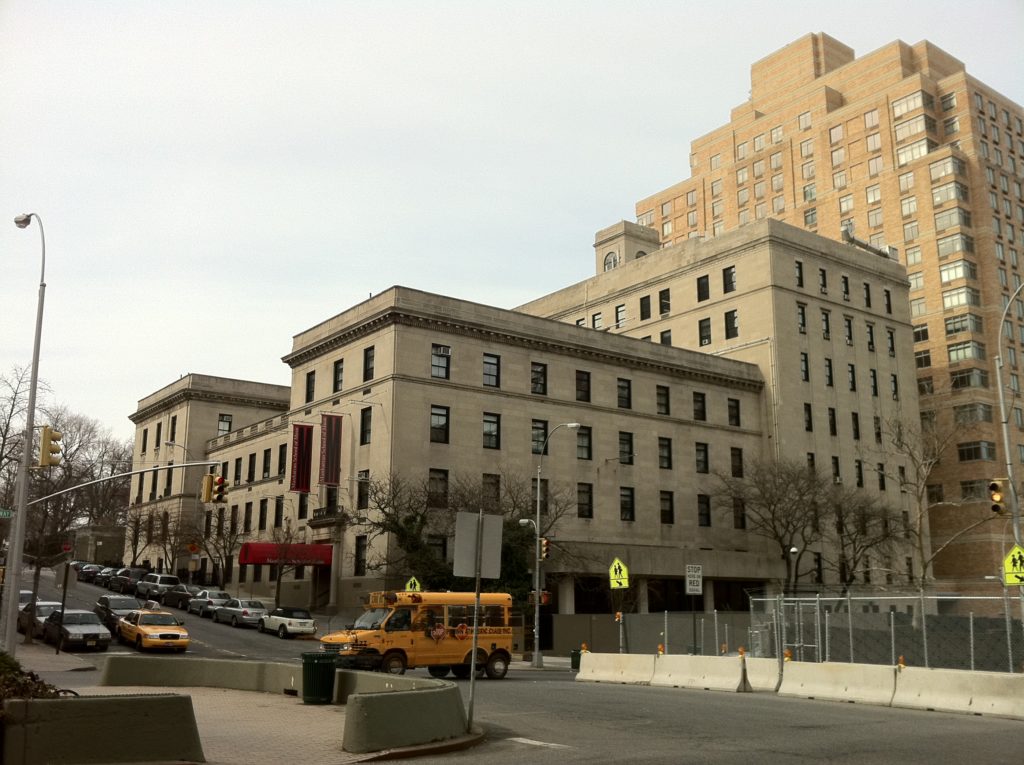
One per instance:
[(538, 659), (12, 582)]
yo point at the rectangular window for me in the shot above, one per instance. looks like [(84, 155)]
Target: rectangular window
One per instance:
[(808, 418), (704, 331), (492, 370), (620, 316), (539, 378), (539, 436), (703, 288), (645, 308), (223, 428), (624, 393), (596, 321), (828, 372), (704, 510), (736, 461), (664, 302), (437, 488), (263, 514), (266, 463), (700, 406), (732, 327), (368, 361), (627, 509), (805, 368), (625, 448), (440, 361), (851, 376), (584, 500), (584, 443), (664, 453), (734, 412), (662, 401), (338, 376), (582, 385), (703, 464), (491, 430), (278, 512), (739, 513), (665, 337), (363, 490), (439, 424), (668, 513), (365, 425)]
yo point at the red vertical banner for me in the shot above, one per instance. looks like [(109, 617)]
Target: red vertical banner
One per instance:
[(330, 449), (302, 457)]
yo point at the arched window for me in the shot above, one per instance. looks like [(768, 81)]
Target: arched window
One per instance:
[(611, 260), (641, 254)]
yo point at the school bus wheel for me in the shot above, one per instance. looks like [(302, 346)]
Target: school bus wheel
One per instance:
[(438, 670), (461, 671), (497, 665), (393, 663)]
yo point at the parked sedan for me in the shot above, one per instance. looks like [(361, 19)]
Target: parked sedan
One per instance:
[(287, 621), (238, 612), (103, 576), (153, 629), (43, 609), (125, 580), (110, 608), (180, 594), (77, 629), (88, 572), (205, 601)]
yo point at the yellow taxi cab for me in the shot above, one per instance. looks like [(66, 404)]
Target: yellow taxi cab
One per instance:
[(148, 628)]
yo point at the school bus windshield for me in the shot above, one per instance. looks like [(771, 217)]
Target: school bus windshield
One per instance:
[(370, 620)]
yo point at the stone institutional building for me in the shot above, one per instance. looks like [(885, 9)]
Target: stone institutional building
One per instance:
[(904, 150), (444, 391), (733, 322)]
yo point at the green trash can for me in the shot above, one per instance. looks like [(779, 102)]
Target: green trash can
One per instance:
[(318, 677), (574, 659)]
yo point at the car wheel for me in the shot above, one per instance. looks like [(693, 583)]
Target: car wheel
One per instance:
[(282, 632), (138, 643), (234, 622), (497, 666), (393, 664), (260, 627)]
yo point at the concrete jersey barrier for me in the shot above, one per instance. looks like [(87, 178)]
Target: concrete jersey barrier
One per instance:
[(862, 683), (710, 673), (762, 674), (616, 668), (92, 730), (953, 690)]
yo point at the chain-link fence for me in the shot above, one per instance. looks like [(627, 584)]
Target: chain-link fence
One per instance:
[(948, 632)]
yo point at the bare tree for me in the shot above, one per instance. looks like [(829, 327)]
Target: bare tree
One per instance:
[(135, 524), (858, 525), (219, 536), (782, 501), (288, 552), (921, 445)]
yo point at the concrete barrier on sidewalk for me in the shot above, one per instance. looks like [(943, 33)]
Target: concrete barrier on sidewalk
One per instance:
[(92, 730), (762, 674), (397, 718), (952, 690), (634, 669), (176, 672), (862, 683), (710, 673)]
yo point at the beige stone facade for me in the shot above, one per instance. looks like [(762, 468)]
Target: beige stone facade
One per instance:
[(903, 148)]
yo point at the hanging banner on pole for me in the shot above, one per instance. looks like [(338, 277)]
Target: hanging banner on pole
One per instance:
[(302, 457), (330, 450)]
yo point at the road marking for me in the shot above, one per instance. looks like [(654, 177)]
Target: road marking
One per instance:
[(545, 744)]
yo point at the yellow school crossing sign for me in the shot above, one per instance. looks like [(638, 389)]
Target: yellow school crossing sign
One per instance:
[(413, 585), (618, 575), (1013, 566)]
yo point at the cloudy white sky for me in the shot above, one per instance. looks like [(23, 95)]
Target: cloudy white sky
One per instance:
[(215, 177)]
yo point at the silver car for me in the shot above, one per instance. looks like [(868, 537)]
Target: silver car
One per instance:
[(43, 609), (206, 601), (237, 612)]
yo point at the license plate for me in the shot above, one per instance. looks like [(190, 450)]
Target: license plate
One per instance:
[(90, 642), (169, 642)]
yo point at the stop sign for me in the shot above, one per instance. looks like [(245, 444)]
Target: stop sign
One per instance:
[(66, 547)]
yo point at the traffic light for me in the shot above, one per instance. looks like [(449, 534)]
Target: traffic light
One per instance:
[(545, 551), (207, 490), (49, 449), (997, 496), (220, 489)]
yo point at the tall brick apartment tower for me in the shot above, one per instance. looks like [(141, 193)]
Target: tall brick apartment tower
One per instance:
[(904, 152)]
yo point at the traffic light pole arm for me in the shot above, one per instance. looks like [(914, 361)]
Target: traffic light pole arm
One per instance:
[(119, 475)]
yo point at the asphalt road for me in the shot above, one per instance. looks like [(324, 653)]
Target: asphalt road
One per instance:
[(546, 717)]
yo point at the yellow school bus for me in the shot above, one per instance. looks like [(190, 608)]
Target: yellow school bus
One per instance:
[(404, 630)]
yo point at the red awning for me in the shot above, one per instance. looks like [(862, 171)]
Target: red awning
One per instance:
[(256, 553)]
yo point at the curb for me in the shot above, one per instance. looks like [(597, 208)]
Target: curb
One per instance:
[(438, 747)]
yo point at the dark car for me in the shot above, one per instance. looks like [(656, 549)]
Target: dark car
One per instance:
[(180, 594), (126, 579), (76, 628), (110, 608), (103, 575), (88, 572)]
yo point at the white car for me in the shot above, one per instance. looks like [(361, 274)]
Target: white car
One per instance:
[(287, 621)]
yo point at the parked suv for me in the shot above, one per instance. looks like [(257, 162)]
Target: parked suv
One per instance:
[(153, 586), (126, 579)]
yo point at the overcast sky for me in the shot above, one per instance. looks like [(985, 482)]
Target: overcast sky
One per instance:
[(215, 177)]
